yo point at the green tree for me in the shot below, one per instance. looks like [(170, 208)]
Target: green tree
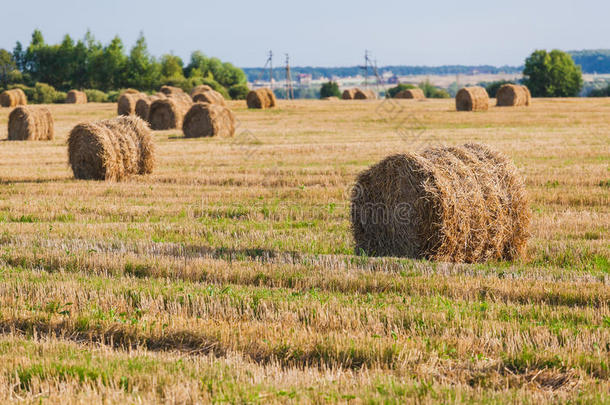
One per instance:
[(143, 71), (7, 67), (171, 67), (552, 74), (110, 66), (393, 91), (493, 87), (330, 89)]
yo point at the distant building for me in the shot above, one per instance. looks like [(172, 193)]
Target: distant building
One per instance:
[(393, 80), (304, 78)]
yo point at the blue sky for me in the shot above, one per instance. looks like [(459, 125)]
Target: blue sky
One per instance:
[(323, 33)]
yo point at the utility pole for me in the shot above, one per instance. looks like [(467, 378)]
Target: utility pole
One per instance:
[(271, 69), (289, 90)]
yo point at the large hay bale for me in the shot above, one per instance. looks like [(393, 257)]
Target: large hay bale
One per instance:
[(417, 94), (206, 119), (143, 105), (168, 113), (200, 89), (472, 99), (260, 98), (76, 97), (348, 94), (209, 96), (13, 98), (528, 96), (455, 204), (366, 94), (30, 124), (513, 95), (111, 149), (126, 104)]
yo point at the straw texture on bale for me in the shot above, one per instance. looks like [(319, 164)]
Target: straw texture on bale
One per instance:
[(131, 91), (513, 95), (452, 204), (472, 99), (111, 149), (209, 96), (30, 124), (260, 98), (205, 119), (200, 89), (76, 97), (417, 94), (13, 98), (143, 105), (365, 94), (168, 113), (127, 103), (348, 94)]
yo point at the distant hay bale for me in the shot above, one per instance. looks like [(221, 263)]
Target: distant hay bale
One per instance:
[(417, 94), (200, 89), (144, 103), (365, 94), (472, 99), (209, 96), (111, 149), (131, 91), (513, 95), (330, 98), (528, 96), (348, 94), (76, 97), (206, 119), (30, 124), (126, 104), (453, 204), (13, 98), (168, 113), (260, 98)]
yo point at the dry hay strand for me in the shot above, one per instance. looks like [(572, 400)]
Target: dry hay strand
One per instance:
[(472, 99), (348, 94), (76, 97), (200, 89), (168, 113), (143, 105), (365, 94), (513, 95), (206, 119), (209, 96), (111, 149), (30, 124), (13, 98), (260, 98), (417, 94), (452, 204), (127, 102)]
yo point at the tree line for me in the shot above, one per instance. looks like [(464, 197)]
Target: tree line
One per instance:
[(88, 64)]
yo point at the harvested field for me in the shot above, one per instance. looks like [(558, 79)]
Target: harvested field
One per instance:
[(229, 275)]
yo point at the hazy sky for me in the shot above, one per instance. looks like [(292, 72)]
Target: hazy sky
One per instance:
[(323, 32)]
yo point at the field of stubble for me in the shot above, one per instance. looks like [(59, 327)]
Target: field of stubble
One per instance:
[(228, 274)]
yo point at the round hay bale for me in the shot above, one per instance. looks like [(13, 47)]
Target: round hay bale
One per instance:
[(528, 96), (200, 89), (168, 113), (206, 119), (111, 149), (472, 99), (131, 91), (13, 98), (144, 103), (512, 95), (348, 94), (76, 97), (453, 204), (260, 98), (416, 94), (365, 94), (126, 104), (209, 96), (30, 124)]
